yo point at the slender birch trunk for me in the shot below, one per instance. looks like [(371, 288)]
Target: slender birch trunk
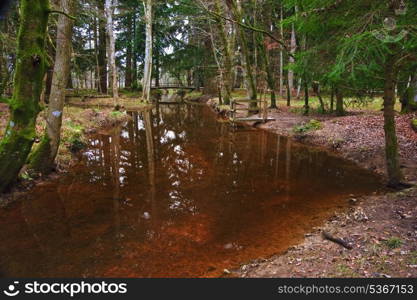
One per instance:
[(293, 48), (112, 49), (129, 53), (147, 76)]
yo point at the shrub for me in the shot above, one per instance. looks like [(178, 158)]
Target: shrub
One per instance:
[(310, 126), (181, 93), (393, 242), (414, 124), (156, 94)]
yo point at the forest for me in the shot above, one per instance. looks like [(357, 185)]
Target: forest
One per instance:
[(220, 138)]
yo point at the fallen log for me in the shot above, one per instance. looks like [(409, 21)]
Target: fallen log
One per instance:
[(338, 241)]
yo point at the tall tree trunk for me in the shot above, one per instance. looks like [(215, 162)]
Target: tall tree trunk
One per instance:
[(129, 53), (316, 89), (281, 56), (96, 48), (288, 93), (339, 103), (391, 143), (134, 56), (112, 50), (293, 48), (409, 95), (43, 158), (147, 76), (24, 107), (226, 73), (48, 83), (332, 100), (269, 72), (102, 61), (246, 58), (209, 76), (306, 98), (157, 71)]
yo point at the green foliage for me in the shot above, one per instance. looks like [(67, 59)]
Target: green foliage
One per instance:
[(414, 124), (181, 93), (26, 176), (72, 136), (76, 145), (116, 114), (394, 242), (156, 94), (137, 86), (306, 127), (347, 44)]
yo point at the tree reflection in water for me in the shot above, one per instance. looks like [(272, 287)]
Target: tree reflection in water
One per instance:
[(175, 193)]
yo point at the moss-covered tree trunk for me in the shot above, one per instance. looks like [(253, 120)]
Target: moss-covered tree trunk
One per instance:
[(391, 143), (227, 54), (269, 72), (43, 158), (24, 107), (246, 57)]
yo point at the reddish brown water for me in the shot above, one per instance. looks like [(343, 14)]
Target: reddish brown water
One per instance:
[(175, 194)]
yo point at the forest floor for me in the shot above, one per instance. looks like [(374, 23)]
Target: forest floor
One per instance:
[(382, 229)]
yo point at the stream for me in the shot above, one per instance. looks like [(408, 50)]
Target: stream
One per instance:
[(175, 193)]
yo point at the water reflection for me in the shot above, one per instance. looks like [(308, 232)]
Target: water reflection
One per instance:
[(175, 193)]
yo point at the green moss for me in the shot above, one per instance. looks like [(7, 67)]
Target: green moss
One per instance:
[(38, 159), (394, 242), (116, 114), (76, 144), (156, 94), (306, 127), (181, 93), (24, 105), (414, 124)]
